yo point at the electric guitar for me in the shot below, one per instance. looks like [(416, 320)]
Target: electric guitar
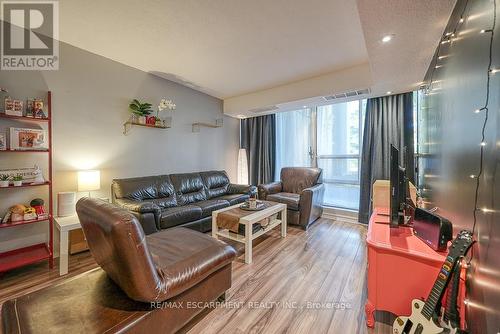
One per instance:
[(422, 318)]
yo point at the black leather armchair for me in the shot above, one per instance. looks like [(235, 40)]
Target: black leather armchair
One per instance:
[(301, 190)]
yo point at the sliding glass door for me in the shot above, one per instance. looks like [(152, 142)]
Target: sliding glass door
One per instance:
[(329, 137), (339, 131)]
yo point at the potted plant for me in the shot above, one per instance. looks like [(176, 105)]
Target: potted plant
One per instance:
[(140, 110), (18, 180), (4, 180)]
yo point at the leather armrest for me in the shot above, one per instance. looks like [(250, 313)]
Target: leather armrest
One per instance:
[(241, 189), (269, 188), (147, 213), (311, 204)]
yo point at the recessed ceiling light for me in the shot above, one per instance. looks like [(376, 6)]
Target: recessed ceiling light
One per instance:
[(387, 38), (304, 107), (389, 93)]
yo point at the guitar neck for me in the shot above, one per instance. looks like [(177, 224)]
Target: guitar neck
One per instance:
[(439, 287)]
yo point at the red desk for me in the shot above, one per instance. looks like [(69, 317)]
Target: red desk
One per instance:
[(401, 267)]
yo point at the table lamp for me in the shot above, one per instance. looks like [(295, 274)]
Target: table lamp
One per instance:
[(89, 180)]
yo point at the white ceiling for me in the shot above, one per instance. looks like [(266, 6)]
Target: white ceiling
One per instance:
[(417, 25), (225, 47), (231, 48)]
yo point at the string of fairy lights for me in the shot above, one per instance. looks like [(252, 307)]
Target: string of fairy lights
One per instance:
[(449, 38), (485, 108)]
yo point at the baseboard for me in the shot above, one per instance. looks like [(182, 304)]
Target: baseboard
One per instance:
[(345, 215)]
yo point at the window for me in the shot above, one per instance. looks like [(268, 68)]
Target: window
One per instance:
[(339, 132), (334, 132), (293, 139)]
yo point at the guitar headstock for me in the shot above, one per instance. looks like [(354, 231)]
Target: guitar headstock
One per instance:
[(461, 244)]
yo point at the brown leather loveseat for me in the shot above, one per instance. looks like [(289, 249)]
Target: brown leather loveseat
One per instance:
[(161, 281), (301, 190), (165, 201)]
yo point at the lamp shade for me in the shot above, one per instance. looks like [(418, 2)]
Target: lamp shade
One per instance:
[(242, 166), (89, 180)]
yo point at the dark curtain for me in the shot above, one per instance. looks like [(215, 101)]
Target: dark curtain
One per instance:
[(389, 120), (258, 137)]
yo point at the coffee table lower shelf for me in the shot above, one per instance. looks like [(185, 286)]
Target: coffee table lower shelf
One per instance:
[(248, 221), (241, 238)]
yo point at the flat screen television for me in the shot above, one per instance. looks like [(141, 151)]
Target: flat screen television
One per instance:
[(398, 188)]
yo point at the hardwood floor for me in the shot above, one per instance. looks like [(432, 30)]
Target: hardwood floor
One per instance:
[(312, 281), (24, 280)]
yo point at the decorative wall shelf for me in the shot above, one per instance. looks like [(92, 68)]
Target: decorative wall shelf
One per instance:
[(128, 125), (218, 124)]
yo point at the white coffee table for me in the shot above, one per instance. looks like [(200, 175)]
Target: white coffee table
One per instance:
[(64, 225), (248, 221)]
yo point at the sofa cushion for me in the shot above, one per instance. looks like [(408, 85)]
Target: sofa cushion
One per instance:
[(137, 188), (216, 183), (210, 205), (165, 192), (156, 189), (185, 257), (291, 200), (179, 215), (189, 188), (234, 198)]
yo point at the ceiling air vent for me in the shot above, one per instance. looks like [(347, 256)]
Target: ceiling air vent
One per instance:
[(264, 109), (347, 94)]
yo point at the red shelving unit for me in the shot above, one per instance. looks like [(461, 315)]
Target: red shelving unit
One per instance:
[(26, 151), (24, 256), (24, 118), (47, 183), (44, 251), (23, 222)]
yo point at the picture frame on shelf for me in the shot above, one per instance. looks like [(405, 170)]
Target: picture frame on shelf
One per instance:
[(13, 107), (38, 109), (28, 139), (34, 109), (29, 108)]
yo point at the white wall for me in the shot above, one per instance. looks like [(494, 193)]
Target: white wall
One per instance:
[(90, 103)]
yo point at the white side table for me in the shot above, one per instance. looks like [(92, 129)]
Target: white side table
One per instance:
[(64, 225)]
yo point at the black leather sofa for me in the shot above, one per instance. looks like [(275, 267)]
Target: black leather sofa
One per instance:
[(164, 201)]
